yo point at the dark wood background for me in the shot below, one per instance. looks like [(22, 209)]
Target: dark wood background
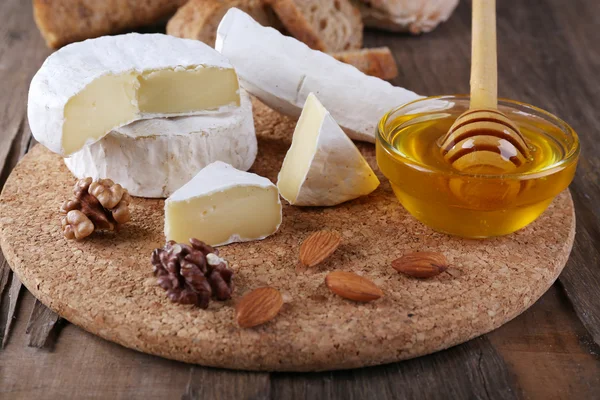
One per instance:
[(549, 52)]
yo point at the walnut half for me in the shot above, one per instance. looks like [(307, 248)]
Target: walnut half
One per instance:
[(100, 204)]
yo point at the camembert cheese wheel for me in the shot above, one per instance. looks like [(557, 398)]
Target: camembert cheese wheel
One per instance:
[(85, 90), (155, 157)]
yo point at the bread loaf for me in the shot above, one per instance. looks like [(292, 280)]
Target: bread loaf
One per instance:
[(199, 19), (326, 25), (377, 62), (65, 21), (414, 16)]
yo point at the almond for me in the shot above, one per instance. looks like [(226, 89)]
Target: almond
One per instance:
[(257, 307), (351, 286), (318, 246), (421, 264)]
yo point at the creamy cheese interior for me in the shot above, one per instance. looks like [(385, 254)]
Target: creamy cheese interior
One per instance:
[(250, 212), (113, 100), (300, 155)]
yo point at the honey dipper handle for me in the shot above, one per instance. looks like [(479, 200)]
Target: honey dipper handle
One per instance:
[(484, 65)]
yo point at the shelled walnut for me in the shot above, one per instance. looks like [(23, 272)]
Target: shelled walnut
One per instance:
[(192, 274), (100, 204)]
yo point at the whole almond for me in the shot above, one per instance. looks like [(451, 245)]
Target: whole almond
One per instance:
[(257, 307), (318, 246), (421, 264), (351, 286)]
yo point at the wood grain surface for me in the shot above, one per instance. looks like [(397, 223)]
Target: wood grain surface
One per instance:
[(549, 56)]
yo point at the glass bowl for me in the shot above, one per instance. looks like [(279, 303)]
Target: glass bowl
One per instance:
[(467, 204)]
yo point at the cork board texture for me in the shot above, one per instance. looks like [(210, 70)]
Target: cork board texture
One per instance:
[(105, 285)]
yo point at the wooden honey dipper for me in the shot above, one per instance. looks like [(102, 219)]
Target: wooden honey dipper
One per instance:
[(483, 139)]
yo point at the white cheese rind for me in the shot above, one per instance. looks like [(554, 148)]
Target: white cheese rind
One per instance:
[(69, 70), (155, 157), (334, 171), (220, 178), (281, 71)]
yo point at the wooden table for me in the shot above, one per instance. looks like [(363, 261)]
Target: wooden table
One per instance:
[(549, 52)]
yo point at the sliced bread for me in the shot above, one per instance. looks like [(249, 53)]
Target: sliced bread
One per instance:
[(414, 16), (199, 19), (65, 21), (326, 25), (377, 62)]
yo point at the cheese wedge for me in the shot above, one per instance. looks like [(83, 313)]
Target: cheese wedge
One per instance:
[(281, 71), (155, 157), (223, 205), (323, 167), (86, 89)]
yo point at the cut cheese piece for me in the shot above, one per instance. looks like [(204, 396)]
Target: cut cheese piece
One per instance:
[(222, 205), (155, 157), (323, 167), (86, 89), (281, 71)]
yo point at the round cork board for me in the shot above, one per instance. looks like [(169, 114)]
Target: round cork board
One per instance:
[(105, 284)]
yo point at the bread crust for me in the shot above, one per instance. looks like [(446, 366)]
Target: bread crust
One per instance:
[(325, 25), (195, 20), (199, 19), (377, 62), (65, 21)]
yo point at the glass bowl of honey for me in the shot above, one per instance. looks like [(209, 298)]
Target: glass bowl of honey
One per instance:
[(467, 204)]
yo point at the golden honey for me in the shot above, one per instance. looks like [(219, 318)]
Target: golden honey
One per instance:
[(475, 204)]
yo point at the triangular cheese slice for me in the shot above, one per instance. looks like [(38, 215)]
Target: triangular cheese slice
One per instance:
[(323, 167), (223, 205)]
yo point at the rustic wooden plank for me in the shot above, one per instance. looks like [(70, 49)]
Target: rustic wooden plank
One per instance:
[(83, 366), (13, 300), (425, 64), (17, 149), (5, 280), (21, 53), (42, 326), (209, 383), (4, 275), (579, 82), (20, 146), (581, 277), (550, 351), (473, 370)]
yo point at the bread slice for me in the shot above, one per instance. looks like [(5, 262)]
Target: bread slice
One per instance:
[(65, 21), (326, 25), (377, 62), (414, 16), (199, 19)]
